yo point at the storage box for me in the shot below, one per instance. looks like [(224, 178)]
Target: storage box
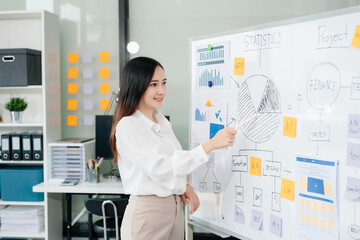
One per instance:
[(20, 67), (68, 158), (17, 183)]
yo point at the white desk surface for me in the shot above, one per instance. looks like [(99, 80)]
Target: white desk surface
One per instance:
[(105, 186)]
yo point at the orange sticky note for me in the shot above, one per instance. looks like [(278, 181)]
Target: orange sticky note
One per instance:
[(104, 72), (308, 204), (289, 128), (73, 57), (356, 38), (302, 217), (315, 205), (72, 88), (104, 87), (104, 104), (323, 207), (308, 219), (303, 183), (330, 208), (73, 73), (322, 222), (239, 66), (255, 166), (72, 104), (314, 221), (104, 56), (287, 189), (331, 224), (71, 120), (328, 188), (302, 202)]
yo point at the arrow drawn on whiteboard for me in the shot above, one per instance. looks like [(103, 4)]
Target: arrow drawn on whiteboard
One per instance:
[(235, 81), (214, 174), (205, 174), (288, 171)]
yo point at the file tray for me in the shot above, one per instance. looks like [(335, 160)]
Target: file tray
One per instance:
[(17, 183), (20, 67)]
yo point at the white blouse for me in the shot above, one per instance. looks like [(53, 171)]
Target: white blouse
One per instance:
[(151, 160)]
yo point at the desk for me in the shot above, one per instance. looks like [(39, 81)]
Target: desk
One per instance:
[(105, 186)]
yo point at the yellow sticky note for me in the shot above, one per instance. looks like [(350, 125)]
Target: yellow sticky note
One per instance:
[(302, 202), (308, 204), (331, 224), (71, 120), (104, 56), (322, 222), (72, 104), (303, 183), (289, 128), (302, 217), (73, 57), (72, 88), (239, 66), (315, 205), (104, 104), (314, 221), (356, 38), (308, 219), (330, 209), (104, 72), (255, 166), (104, 87), (287, 189), (73, 73), (323, 207), (328, 188)]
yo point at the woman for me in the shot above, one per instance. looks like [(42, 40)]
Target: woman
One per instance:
[(152, 165)]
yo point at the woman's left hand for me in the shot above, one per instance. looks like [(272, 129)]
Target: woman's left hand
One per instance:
[(190, 196)]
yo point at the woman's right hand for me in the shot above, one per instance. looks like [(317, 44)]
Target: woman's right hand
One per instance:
[(223, 138)]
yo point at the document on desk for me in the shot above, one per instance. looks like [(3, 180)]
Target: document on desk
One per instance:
[(316, 199)]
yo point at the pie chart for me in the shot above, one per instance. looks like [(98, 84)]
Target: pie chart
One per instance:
[(258, 109)]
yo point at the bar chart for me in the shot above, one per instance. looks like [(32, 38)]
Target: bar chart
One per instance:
[(212, 77)]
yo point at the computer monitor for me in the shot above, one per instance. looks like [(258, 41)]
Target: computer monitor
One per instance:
[(103, 125)]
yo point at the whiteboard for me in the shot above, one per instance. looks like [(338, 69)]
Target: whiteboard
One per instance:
[(293, 88)]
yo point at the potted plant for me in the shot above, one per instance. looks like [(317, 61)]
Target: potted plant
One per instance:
[(16, 106)]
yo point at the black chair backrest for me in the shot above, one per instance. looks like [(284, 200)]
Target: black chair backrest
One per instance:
[(93, 205)]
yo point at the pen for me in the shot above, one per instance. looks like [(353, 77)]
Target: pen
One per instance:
[(100, 161), (245, 121)]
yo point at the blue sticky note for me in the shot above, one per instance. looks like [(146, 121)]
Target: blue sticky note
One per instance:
[(214, 128), (315, 185)]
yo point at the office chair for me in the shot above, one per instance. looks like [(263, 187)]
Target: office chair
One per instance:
[(112, 212)]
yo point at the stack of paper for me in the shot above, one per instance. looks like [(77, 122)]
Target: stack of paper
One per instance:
[(22, 218)]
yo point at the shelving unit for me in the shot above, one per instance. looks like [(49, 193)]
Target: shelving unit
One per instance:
[(35, 30)]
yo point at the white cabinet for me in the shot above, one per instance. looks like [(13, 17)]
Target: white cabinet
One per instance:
[(36, 30)]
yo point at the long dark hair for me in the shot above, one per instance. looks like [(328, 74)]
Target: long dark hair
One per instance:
[(135, 79)]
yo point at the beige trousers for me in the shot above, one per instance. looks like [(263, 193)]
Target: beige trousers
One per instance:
[(153, 218)]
